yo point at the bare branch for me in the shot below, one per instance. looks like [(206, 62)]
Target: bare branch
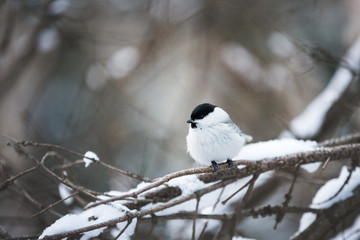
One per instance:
[(237, 191), (54, 204), (195, 217), (285, 204), (51, 174), (266, 211), (34, 201), (347, 139), (11, 180), (101, 163)]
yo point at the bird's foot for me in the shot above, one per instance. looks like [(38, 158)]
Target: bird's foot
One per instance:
[(230, 163), (215, 166)]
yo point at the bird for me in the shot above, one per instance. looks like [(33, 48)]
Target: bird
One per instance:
[(213, 137)]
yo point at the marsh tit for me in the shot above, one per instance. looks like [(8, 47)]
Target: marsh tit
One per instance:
[(213, 137)]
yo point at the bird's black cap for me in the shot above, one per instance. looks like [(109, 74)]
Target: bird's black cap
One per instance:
[(202, 110)]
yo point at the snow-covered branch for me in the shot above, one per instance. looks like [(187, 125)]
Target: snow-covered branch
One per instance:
[(322, 114), (217, 196)]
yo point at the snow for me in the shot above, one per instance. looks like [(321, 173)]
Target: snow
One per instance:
[(191, 183), (308, 123), (311, 167), (89, 157), (330, 188), (92, 216), (278, 148), (305, 222), (275, 148), (188, 184), (65, 192), (128, 232), (327, 191), (206, 206)]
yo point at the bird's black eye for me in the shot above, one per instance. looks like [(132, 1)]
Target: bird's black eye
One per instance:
[(193, 125)]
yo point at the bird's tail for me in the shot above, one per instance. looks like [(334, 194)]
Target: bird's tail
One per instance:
[(248, 138)]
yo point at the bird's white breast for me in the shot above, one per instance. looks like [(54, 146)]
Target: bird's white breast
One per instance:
[(218, 143)]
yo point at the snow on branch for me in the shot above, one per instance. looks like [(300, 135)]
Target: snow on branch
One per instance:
[(204, 198), (311, 120)]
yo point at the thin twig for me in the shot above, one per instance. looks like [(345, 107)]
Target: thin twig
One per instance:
[(54, 204), (325, 163), (249, 190), (285, 204), (123, 172), (141, 213), (4, 234), (263, 212), (68, 165), (218, 232), (123, 230), (101, 163), (154, 184), (153, 223), (241, 188), (340, 189), (50, 173), (220, 180), (331, 216), (203, 230), (34, 201), (347, 139), (218, 200), (11, 180), (195, 217), (258, 167)]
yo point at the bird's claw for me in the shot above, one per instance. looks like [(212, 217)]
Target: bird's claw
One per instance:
[(230, 163), (215, 166)]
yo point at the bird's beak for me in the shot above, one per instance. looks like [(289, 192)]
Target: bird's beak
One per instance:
[(190, 121)]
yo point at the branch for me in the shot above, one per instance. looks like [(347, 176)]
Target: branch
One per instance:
[(101, 163), (352, 138), (266, 211), (50, 173), (331, 105), (253, 167), (327, 220), (227, 177), (170, 196), (54, 204), (11, 180)]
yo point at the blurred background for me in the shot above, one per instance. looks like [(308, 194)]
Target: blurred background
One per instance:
[(121, 77)]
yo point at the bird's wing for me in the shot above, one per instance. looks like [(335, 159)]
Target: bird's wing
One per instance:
[(248, 138)]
